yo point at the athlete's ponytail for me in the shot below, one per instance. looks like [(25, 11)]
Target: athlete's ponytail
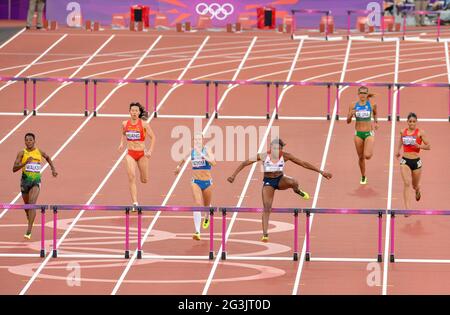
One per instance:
[(143, 114)]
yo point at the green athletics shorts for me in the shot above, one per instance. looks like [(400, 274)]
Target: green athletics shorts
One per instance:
[(364, 134)]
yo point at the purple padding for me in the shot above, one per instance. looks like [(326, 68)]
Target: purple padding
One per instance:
[(91, 207), (343, 211), (311, 11), (274, 210), (174, 208), (420, 212), (21, 207)]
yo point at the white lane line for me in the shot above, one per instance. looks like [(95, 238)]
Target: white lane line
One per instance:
[(12, 38), (322, 166), (447, 60), (44, 263), (391, 173), (249, 177), (322, 259), (171, 190), (421, 261), (33, 62)]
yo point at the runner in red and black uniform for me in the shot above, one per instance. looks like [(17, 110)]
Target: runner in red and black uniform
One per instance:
[(412, 139), (134, 132)]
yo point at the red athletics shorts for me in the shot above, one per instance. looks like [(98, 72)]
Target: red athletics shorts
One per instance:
[(136, 155)]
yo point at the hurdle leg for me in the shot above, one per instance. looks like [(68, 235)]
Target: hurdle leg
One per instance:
[(392, 257), (308, 252), (127, 233), (216, 99), (25, 105), (139, 231), (348, 25), (295, 256), (389, 103), (34, 97), (277, 99), (380, 232), (95, 98), (55, 226), (211, 234), (438, 27), (42, 253), (86, 98), (146, 95), (398, 103), (328, 101), (155, 99), (404, 26), (224, 228), (337, 101), (207, 101), (268, 102)]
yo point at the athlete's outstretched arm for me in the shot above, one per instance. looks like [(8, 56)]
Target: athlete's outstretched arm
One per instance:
[(307, 165), (50, 162), (243, 165), (18, 164)]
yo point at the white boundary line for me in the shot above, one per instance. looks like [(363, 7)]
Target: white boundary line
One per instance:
[(338, 259), (173, 257), (250, 174), (177, 179), (12, 38), (62, 238), (267, 258), (430, 261), (20, 255)]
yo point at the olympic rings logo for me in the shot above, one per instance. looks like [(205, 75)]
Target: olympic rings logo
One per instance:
[(217, 11)]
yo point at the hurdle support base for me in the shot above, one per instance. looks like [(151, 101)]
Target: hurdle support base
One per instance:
[(389, 118), (216, 115), (211, 255), (448, 118), (392, 258), (55, 253), (95, 113), (398, 118), (295, 257), (86, 113), (267, 116), (155, 115), (139, 254), (337, 117), (42, 254), (224, 256), (276, 116), (328, 117), (308, 257), (127, 254), (207, 115), (34, 112), (380, 258)]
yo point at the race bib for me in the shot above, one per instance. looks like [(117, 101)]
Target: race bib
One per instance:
[(33, 167), (133, 135), (198, 163), (272, 168), (363, 114), (409, 140)]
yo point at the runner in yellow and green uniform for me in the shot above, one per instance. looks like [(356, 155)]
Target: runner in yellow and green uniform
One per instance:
[(29, 161), (363, 110)]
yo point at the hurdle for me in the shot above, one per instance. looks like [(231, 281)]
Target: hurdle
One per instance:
[(310, 211), (426, 85), (57, 208), (211, 211), (25, 93), (225, 210), (302, 83), (230, 83), (42, 208), (180, 82), (414, 13), (394, 213), (325, 13)]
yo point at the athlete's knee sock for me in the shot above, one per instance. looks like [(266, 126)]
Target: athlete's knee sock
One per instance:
[(197, 220)]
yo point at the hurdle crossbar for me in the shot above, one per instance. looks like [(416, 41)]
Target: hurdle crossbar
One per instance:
[(310, 211)]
